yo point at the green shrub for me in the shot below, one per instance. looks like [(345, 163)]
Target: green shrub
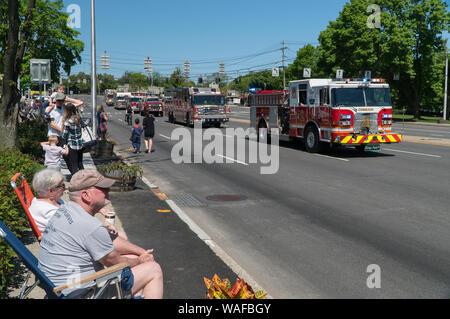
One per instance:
[(12, 215), (30, 135)]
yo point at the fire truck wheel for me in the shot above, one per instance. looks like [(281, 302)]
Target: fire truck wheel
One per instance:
[(312, 142)]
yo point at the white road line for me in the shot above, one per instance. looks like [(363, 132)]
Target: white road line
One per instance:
[(232, 159), (336, 158), (413, 153), (164, 136)]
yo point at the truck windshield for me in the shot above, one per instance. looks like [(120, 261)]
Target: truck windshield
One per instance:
[(135, 99), (360, 97), (209, 100), (110, 96)]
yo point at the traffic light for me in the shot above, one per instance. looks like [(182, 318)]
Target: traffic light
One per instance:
[(200, 80)]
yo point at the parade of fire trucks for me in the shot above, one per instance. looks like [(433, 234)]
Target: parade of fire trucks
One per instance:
[(334, 112)]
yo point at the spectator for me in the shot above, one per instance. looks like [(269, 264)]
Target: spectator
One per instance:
[(49, 187), (72, 135), (149, 131), (135, 138), (54, 153), (54, 115), (52, 102), (76, 244), (102, 118)]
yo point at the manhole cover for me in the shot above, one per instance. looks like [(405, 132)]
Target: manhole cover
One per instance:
[(226, 198)]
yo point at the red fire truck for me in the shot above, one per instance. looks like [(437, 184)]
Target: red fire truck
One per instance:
[(152, 104), (347, 112), (189, 105)]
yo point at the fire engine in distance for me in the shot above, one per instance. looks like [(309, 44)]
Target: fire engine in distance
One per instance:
[(189, 105), (355, 113), (153, 105)]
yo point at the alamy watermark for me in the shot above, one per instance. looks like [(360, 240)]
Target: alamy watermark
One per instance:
[(236, 145), (374, 19), (374, 279), (74, 19)]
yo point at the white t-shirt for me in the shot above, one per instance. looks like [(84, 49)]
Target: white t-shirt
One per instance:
[(57, 115), (42, 212)]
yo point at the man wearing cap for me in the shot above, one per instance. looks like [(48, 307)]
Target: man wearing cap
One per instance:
[(55, 114), (76, 244)]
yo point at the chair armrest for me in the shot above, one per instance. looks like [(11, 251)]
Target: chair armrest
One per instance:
[(107, 272)]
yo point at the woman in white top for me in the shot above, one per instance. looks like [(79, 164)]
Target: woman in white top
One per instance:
[(49, 187)]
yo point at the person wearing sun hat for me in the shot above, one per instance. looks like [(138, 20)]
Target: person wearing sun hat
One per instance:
[(76, 241)]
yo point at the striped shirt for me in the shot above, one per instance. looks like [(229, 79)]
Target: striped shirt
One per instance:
[(72, 135)]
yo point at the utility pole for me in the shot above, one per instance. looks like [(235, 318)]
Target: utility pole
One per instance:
[(446, 84), (93, 70), (284, 73)]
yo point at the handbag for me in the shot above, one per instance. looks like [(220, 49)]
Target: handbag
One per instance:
[(103, 126)]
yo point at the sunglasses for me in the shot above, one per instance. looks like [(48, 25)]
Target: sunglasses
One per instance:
[(63, 186)]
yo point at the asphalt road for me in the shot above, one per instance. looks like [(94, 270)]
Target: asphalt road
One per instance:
[(316, 227)]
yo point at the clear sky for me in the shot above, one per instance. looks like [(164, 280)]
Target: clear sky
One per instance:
[(244, 34)]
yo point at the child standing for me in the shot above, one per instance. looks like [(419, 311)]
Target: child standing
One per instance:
[(53, 153), (135, 138)]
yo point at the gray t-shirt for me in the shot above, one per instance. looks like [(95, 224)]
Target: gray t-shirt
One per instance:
[(53, 155), (71, 246)]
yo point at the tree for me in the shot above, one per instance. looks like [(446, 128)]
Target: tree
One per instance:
[(176, 79), (307, 57), (13, 49), (31, 29), (408, 42)]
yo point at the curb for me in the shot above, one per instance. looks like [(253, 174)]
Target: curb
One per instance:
[(202, 235)]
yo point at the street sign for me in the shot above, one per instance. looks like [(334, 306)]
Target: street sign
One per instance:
[(396, 76), (339, 74), (40, 71), (306, 73), (221, 68), (187, 68), (148, 65), (275, 72), (104, 60), (368, 74)]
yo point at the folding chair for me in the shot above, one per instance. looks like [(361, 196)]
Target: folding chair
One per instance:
[(25, 196), (119, 274)]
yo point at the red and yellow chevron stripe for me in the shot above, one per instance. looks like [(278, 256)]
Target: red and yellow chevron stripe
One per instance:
[(368, 139)]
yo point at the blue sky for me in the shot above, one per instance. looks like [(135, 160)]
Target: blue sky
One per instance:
[(244, 34)]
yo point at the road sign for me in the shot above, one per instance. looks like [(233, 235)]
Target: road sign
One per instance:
[(104, 61), (40, 71), (306, 73), (187, 68), (339, 74), (368, 74), (221, 68), (276, 72), (148, 65)]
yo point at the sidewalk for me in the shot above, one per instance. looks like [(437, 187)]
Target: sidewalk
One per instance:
[(150, 223)]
